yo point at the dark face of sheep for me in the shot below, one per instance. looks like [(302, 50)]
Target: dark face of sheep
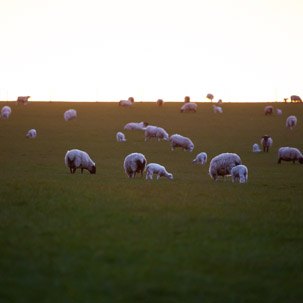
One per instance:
[(300, 160), (145, 124), (93, 170)]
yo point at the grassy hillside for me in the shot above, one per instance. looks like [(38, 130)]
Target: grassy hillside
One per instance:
[(107, 238)]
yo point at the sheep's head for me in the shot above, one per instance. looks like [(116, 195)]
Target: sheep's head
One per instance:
[(300, 160), (191, 147), (93, 169), (170, 176)]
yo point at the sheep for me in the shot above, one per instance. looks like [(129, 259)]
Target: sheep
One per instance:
[(210, 97), (120, 137), (32, 133), (222, 165), (200, 158), (157, 132), (180, 141), (5, 112), (76, 158), (279, 111), (160, 102), (291, 122), (266, 142), (187, 107), (239, 173), (127, 103), (289, 154), (23, 100), (186, 99), (256, 148), (159, 170), (70, 114), (295, 98), (217, 109), (268, 110), (136, 126), (134, 163)]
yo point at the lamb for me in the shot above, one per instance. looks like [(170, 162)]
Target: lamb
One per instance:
[(200, 158), (32, 133), (134, 163), (279, 112), (222, 165), (187, 107), (186, 99), (291, 122), (120, 137), (70, 115), (295, 98), (217, 109), (180, 141), (160, 102), (76, 158), (23, 100), (5, 112), (266, 142), (239, 173), (256, 148), (128, 102), (159, 170), (210, 97), (289, 154), (268, 110), (157, 132), (136, 126)]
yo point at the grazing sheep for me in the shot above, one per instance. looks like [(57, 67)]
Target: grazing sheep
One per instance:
[(156, 132), (159, 170), (5, 112), (180, 141), (23, 100), (32, 133), (187, 107), (222, 165), (217, 109), (279, 112), (256, 148), (289, 154), (239, 173), (134, 163), (136, 126), (70, 115), (266, 142), (76, 158), (268, 110), (160, 102), (210, 97), (120, 137), (295, 98), (186, 99), (291, 122), (200, 158)]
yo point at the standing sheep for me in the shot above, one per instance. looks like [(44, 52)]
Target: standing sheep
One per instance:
[(289, 154), (23, 100), (239, 173), (134, 163), (217, 109), (291, 122), (120, 137), (268, 110), (295, 98), (127, 103), (136, 126), (266, 142), (70, 115), (5, 112), (200, 158), (256, 148), (155, 132), (76, 158), (222, 165), (159, 170), (180, 141), (32, 133), (187, 107)]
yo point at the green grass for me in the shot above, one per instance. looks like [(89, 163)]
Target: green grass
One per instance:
[(107, 238)]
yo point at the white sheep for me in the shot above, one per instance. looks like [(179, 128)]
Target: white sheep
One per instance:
[(279, 111), (134, 163), (156, 132), (291, 122), (222, 165), (5, 112), (266, 142), (76, 158), (187, 107), (180, 141), (120, 137), (239, 173), (217, 109), (289, 154), (70, 114), (268, 110), (32, 133), (200, 158), (136, 126), (256, 148), (126, 103), (159, 170), (23, 100)]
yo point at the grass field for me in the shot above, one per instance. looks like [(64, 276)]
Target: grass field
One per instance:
[(107, 238)]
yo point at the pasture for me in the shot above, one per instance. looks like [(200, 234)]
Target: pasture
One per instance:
[(107, 238)]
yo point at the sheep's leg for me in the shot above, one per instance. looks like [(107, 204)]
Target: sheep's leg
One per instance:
[(279, 161), (81, 170), (158, 176), (223, 178), (71, 170)]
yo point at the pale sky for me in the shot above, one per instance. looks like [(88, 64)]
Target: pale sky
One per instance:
[(238, 50)]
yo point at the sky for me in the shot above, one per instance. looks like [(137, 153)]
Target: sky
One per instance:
[(109, 50)]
